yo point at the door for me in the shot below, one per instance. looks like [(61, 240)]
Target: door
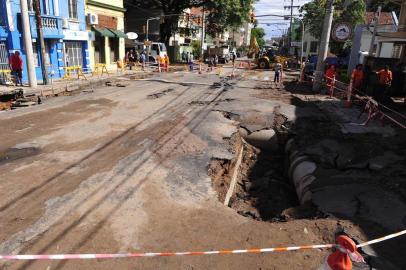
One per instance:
[(74, 53)]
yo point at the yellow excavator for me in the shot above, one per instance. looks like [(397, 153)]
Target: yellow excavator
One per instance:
[(264, 60)]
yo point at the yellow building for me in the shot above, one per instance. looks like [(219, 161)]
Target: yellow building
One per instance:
[(105, 21)]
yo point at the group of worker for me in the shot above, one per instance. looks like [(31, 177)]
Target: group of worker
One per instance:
[(385, 78), (133, 57), (163, 62)]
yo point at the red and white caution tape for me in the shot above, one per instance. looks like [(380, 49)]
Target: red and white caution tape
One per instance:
[(157, 254), (187, 253)]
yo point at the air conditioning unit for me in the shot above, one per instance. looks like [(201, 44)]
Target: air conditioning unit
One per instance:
[(92, 19), (65, 23)]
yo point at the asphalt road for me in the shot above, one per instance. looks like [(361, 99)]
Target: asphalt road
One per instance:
[(124, 169)]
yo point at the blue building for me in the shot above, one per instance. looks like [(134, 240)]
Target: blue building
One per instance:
[(75, 35), (64, 24)]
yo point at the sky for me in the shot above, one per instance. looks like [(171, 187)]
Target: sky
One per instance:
[(274, 26)]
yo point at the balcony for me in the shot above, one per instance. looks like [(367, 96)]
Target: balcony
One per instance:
[(51, 26)]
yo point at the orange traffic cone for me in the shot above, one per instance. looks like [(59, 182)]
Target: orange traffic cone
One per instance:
[(343, 257)]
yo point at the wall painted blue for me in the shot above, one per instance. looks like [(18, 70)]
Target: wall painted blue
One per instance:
[(53, 32)]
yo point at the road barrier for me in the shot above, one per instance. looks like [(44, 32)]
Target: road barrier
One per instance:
[(340, 248), (373, 111), (73, 70), (100, 69)]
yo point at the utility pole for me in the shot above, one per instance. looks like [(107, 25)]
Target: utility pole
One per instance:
[(203, 35), (376, 22), (32, 79), (291, 7), (324, 42), (40, 36)]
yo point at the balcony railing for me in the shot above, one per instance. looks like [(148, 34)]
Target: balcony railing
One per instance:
[(49, 22)]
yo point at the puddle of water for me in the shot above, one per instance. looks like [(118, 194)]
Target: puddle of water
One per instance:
[(13, 154)]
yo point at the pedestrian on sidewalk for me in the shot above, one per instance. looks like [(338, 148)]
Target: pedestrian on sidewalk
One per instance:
[(191, 62), (384, 83), (131, 59), (16, 64), (142, 60), (184, 60), (278, 72), (233, 56)]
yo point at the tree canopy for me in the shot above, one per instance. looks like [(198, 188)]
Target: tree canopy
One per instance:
[(387, 5), (227, 14), (259, 34), (315, 11), (223, 14)]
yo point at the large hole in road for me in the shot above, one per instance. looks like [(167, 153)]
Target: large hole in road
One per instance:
[(262, 191)]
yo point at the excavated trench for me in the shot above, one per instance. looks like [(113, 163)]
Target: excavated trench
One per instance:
[(262, 189)]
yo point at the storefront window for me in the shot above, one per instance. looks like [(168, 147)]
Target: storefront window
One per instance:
[(99, 50), (73, 53)]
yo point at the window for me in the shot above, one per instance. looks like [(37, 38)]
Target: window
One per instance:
[(3, 55), (46, 7), (73, 9), (313, 46), (35, 54), (73, 53), (114, 48), (30, 5)]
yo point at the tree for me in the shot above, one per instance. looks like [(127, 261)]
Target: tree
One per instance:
[(314, 11), (168, 7), (227, 14), (259, 34), (223, 14), (387, 6)]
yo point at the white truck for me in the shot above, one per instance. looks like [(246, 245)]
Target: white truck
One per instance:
[(156, 49), (222, 52)]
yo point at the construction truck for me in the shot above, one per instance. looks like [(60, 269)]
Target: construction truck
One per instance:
[(263, 59)]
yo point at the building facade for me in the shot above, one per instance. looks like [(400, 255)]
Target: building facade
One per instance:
[(75, 35), (11, 35), (106, 24), (65, 35)]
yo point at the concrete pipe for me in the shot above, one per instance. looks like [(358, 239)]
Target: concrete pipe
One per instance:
[(264, 139), (301, 169)]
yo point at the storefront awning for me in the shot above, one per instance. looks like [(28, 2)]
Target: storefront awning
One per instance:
[(118, 33), (104, 32)]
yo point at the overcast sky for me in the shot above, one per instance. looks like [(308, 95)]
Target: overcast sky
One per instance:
[(273, 25)]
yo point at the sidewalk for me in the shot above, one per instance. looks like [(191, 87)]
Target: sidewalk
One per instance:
[(72, 84)]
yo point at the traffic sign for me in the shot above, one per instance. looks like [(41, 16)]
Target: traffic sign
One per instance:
[(132, 35), (342, 32)]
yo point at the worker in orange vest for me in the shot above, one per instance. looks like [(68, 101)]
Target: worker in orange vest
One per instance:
[(357, 77), (166, 58), (385, 81), (330, 77)]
